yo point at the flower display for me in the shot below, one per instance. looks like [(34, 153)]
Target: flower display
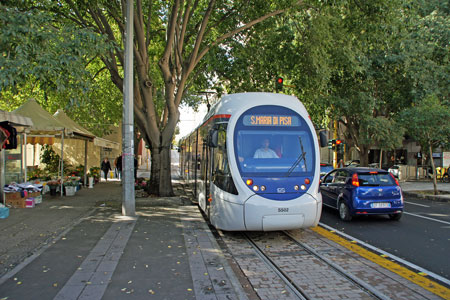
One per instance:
[(95, 172), (140, 184), (72, 181), (53, 183)]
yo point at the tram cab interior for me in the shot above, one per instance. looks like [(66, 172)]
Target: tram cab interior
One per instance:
[(288, 146)]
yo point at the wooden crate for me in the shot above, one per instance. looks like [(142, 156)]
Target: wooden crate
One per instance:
[(13, 196), (16, 203), (33, 195)]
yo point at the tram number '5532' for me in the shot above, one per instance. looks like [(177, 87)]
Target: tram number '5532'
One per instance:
[(283, 209)]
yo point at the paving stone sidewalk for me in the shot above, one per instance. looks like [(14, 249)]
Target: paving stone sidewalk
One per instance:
[(82, 248)]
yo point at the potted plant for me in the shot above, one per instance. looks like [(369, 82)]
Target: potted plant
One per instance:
[(71, 187), (95, 173), (140, 184), (35, 173), (53, 184), (79, 170)]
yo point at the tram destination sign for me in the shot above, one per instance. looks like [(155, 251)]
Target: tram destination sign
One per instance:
[(271, 120)]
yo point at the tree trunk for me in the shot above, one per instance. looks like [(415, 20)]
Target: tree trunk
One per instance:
[(381, 158), (160, 172), (364, 156), (153, 186), (165, 179), (433, 168)]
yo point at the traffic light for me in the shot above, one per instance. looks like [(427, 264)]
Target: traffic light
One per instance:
[(332, 144), (340, 145), (279, 84)]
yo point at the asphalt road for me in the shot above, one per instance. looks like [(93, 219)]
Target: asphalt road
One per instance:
[(421, 237)]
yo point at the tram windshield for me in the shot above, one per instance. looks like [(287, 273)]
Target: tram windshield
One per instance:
[(274, 152)]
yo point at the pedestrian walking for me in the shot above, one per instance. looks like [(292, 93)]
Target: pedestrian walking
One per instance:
[(106, 167), (116, 172), (119, 166), (135, 167)]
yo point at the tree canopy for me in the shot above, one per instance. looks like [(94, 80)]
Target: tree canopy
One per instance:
[(358, 63), (57, 64), (428, 124)]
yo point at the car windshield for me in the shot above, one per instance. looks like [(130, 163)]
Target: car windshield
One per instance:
[(375, 179), (278, 153), (324, 168)]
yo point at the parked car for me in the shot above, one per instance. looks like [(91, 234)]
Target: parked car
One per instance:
[(362, 191), (325, 168), (394, 170), (352, 163)]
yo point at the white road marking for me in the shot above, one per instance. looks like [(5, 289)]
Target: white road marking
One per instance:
[(423, 205), (427, 218)]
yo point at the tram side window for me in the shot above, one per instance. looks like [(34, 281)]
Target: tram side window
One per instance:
[(204, 160), (185, 159), (222, 175), (193, 157)]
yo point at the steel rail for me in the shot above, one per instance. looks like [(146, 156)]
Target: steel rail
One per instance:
[(366, 287), (291, 285)]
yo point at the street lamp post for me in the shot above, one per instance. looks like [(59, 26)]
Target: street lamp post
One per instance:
[(128, 197)]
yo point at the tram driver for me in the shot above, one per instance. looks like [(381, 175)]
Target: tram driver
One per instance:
[(265, 151)]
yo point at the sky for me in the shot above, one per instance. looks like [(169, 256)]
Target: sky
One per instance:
[(189, 120)]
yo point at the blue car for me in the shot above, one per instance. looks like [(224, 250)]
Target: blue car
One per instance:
[(362, 191), (324, 169)]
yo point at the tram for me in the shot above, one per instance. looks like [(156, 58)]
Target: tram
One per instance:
[(253, 164)]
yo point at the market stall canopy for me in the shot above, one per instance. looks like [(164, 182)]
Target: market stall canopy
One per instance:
[(81, 131), (15, 119), (45, 126), (42, 119), (10, 121), (105, 143), (76, 130)]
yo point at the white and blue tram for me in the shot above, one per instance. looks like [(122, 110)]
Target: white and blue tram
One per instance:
[(253, 164)]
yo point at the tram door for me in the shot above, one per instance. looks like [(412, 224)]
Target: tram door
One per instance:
[(206, 171)]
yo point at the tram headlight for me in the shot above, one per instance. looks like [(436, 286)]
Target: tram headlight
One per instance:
[(303, 187), (256, 188), (263, 188), (296, 187)]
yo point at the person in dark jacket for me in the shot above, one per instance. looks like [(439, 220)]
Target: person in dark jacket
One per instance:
[(135, 167), (119, 166), (106, 167)]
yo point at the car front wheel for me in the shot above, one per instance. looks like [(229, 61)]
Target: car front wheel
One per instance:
[(344, 212)]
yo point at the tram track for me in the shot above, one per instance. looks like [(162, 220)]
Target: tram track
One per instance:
[(290, 284), (364, 286), (301, 265), (338, 273), (296, 288)]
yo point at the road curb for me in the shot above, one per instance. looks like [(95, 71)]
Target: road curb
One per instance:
[(437, 198)]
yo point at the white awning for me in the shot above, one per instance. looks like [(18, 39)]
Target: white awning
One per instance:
[(15, 119), (105, 143)]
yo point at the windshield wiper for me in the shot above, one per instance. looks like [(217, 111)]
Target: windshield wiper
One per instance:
[(301, 157)]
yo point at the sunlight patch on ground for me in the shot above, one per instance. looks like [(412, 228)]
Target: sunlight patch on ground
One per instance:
[(61, 207)]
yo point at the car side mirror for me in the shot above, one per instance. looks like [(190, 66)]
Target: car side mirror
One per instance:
[(323, 138), (213, 138)]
